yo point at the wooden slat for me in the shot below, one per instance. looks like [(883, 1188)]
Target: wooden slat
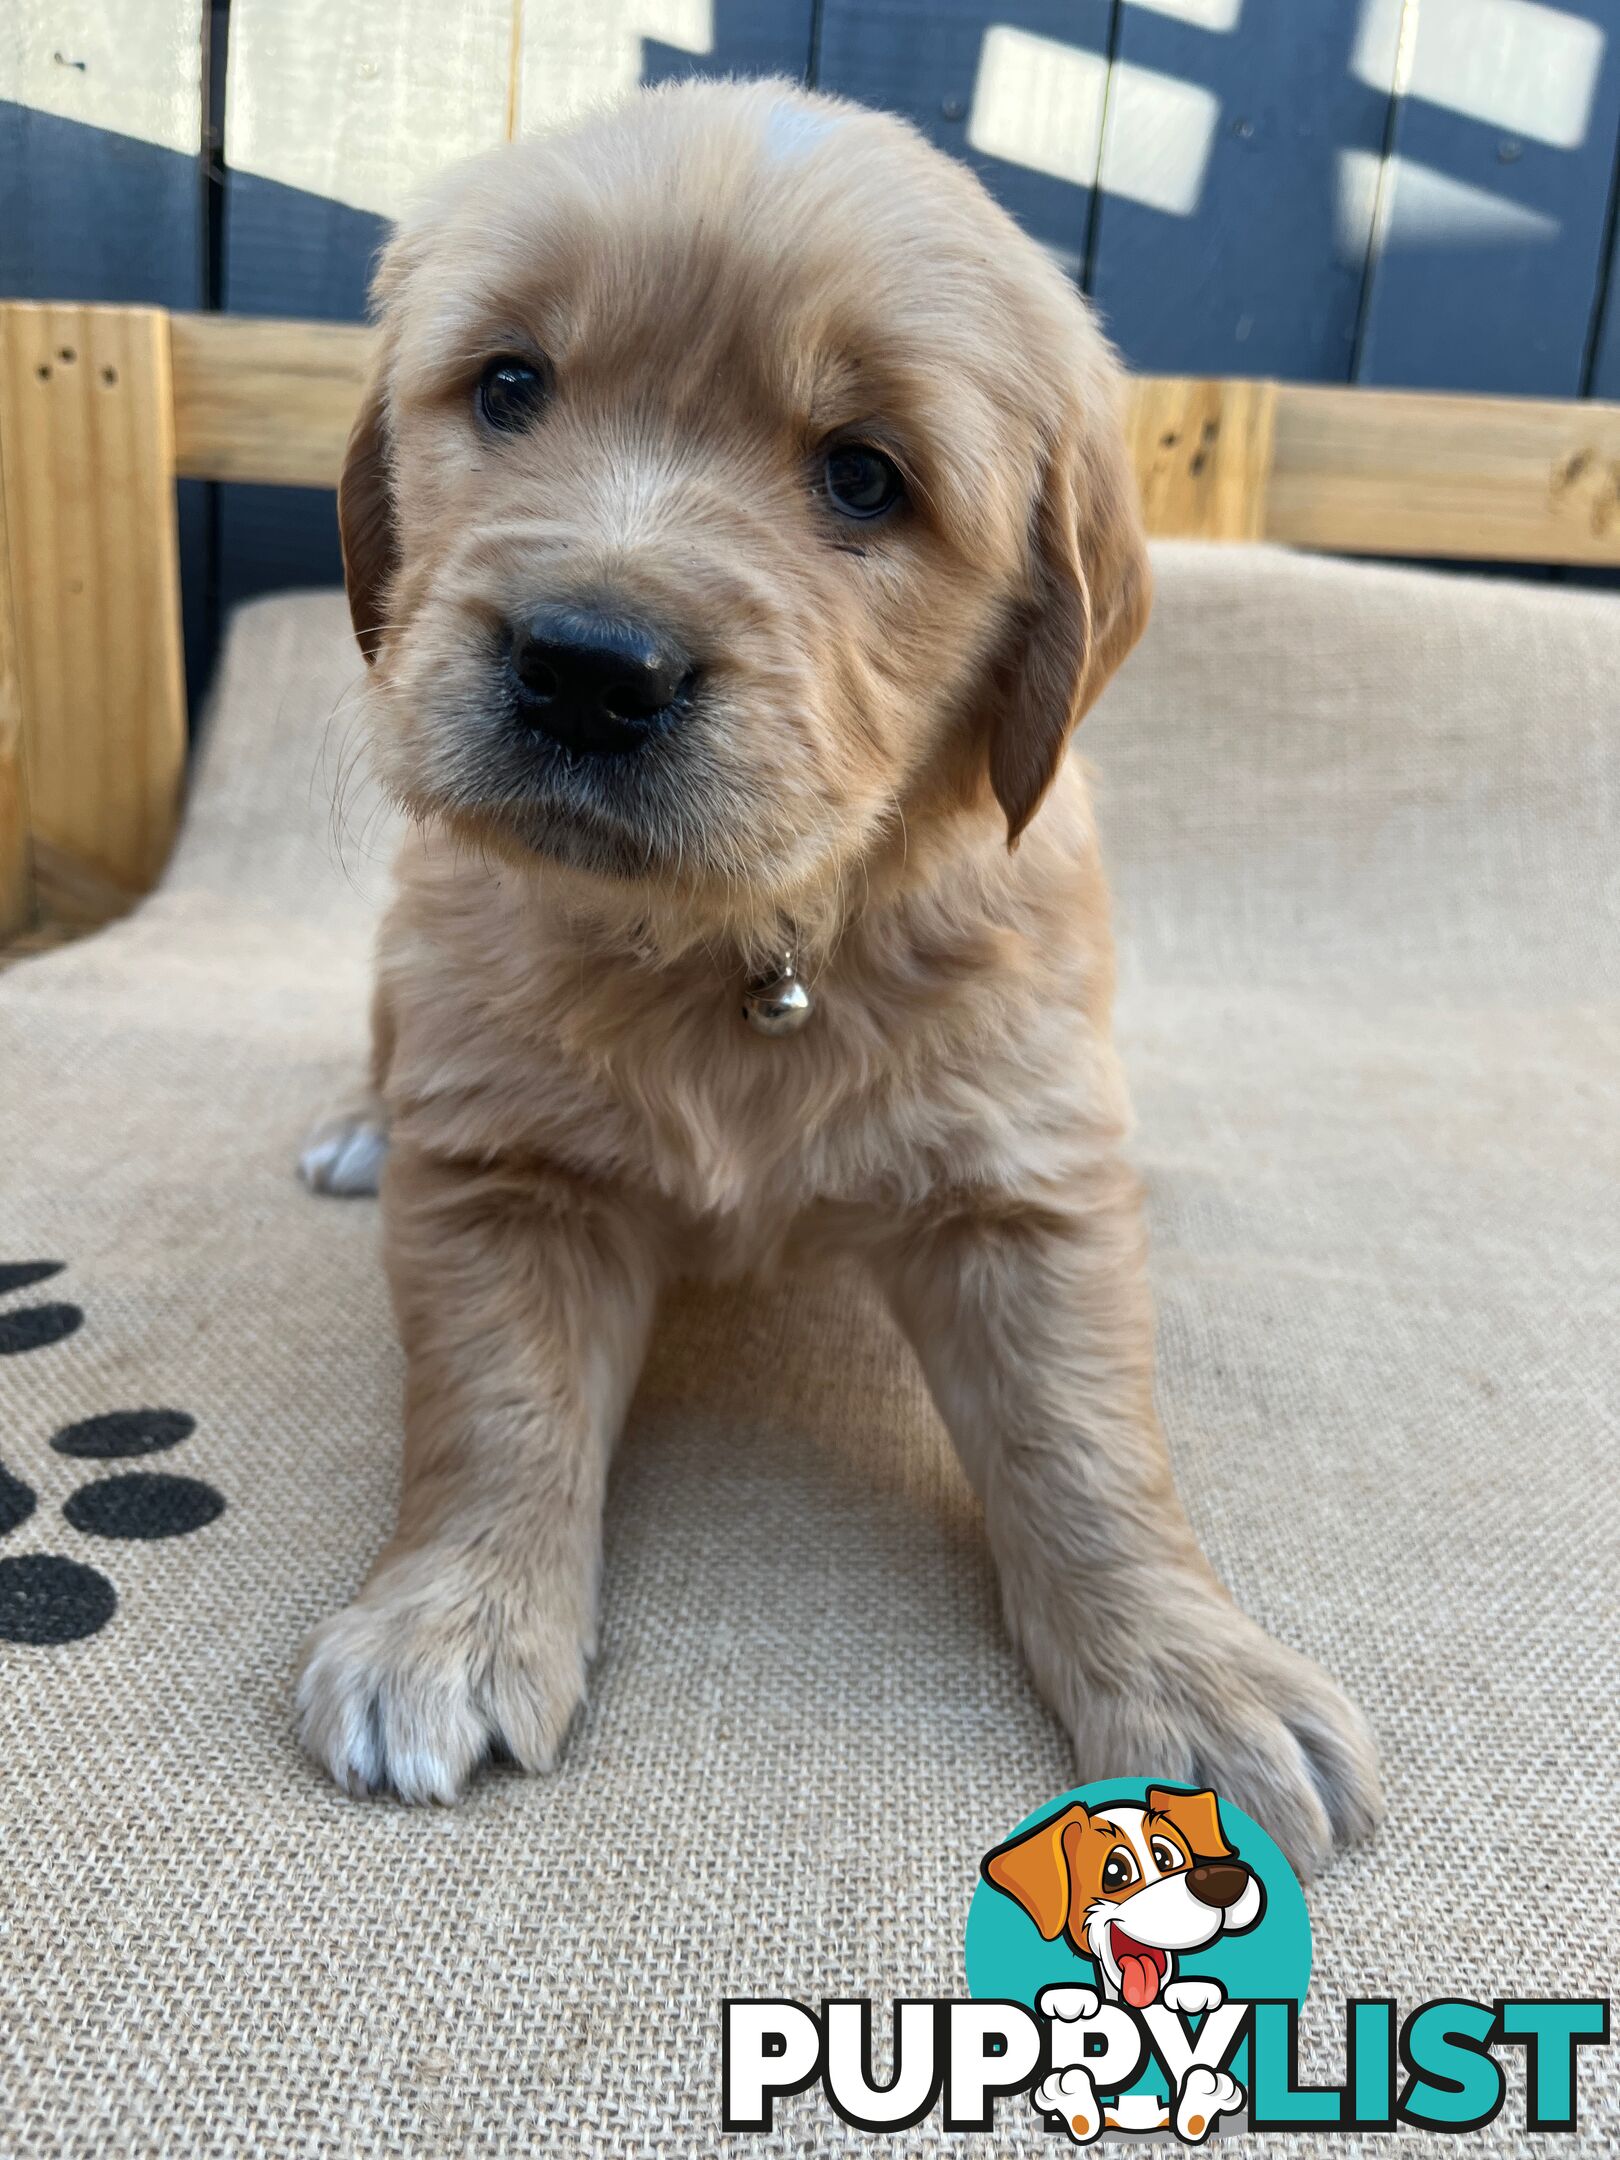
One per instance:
[(265, 401), (101, 111), (16, 869), (1203, 455), (1498, 479), (86, 448), (1375, 472), (1228, 239), (72, 891)]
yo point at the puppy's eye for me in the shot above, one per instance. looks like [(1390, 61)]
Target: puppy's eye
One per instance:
[(1119, 1870), (511, 393), (861, 482), (1166, 1858)]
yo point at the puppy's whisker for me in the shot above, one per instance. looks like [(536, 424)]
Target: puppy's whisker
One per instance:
[(905, 834), (340, 833)]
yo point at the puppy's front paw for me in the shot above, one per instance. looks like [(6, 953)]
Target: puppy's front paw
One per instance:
[(1194, 1691), (344, 1156), (429, 1672)]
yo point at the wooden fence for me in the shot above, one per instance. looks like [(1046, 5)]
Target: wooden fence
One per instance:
[(1413, 193), (104, 410)]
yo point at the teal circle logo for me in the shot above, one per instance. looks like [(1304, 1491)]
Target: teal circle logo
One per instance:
[(1139, 1893)]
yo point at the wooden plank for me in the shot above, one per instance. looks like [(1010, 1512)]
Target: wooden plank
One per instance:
[(1382, 472), (1494, 205), (16, 864), (263, 401), (334, 117), (1203, 455), (1017, 91), (1227, 240), (70, 891), (101, 195), (1494, 479), (86, 447)]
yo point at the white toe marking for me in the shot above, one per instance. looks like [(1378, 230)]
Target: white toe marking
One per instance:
[(345, 1158)]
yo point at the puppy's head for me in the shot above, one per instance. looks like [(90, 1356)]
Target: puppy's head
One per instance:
[(736, 482), (1131, 1885)]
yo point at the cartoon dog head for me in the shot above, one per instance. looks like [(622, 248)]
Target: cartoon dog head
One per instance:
[(1131, 1884)]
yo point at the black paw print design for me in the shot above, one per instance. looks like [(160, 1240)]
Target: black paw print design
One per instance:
[(45, 1598)]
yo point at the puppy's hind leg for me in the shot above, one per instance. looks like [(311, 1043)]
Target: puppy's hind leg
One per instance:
[(344, 1155)]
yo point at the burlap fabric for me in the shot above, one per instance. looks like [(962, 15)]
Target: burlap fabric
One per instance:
[(1365, 828)]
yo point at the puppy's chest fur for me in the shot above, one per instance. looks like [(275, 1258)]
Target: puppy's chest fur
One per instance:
[(977, 1061)]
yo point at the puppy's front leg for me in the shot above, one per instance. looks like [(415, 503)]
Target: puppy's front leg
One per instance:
[(524, 1298), (1034, 1328)]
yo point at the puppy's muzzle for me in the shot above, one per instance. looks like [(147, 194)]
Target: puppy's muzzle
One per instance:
[(600, 685), (1217, 1884)]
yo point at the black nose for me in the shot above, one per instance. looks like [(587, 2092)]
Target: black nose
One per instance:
[(1217, 1883), (594, 682)]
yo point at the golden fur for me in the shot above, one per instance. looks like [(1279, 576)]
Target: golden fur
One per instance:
[(723, 277)]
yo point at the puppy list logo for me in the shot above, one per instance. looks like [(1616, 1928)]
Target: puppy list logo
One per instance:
[(1137, 1954), (1139, 1931)]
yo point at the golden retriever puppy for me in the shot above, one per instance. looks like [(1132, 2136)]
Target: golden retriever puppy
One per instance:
[(738, 524)]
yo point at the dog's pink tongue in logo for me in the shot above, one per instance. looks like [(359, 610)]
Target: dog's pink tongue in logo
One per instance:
[(1141, 1968)]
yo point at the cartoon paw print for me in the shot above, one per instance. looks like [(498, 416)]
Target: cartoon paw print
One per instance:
[(45, 1598), (1193, 1998), (1072, 2097), (1205, 2096)]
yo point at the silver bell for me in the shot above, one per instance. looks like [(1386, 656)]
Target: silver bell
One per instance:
[(777, 1003)]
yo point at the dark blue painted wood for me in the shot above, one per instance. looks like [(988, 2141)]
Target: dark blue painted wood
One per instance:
[(751, 37), (86, 214), (1262, 274), (288, 252), (923, 59), (1494, 290), (89, 215)]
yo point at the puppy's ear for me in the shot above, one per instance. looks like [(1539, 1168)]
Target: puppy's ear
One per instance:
[(366, 521), (1197, 1815), (1033, 1871), (1090, 589)]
